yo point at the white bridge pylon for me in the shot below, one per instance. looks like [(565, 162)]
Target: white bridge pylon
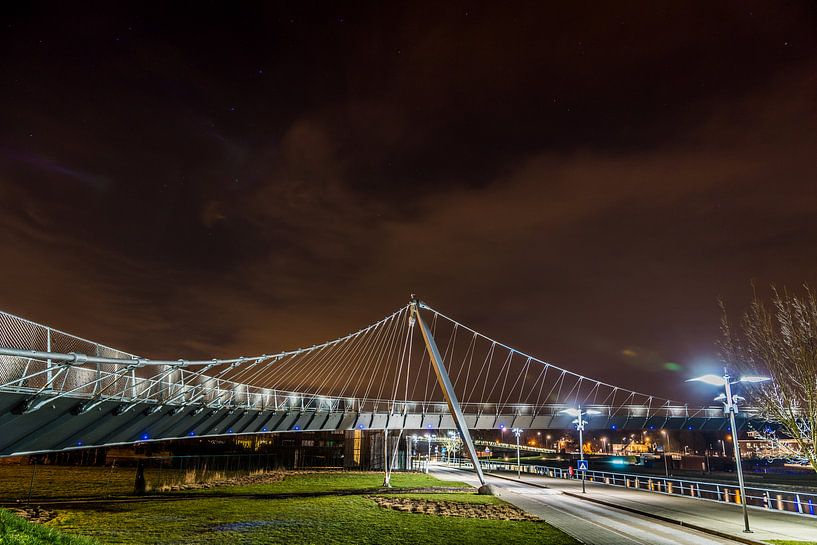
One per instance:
[(59, 391), (447, 388)]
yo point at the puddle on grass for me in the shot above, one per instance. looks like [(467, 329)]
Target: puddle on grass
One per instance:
[(247, 525)]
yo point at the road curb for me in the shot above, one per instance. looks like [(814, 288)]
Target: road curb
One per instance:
[(667, 519), (662, 518)]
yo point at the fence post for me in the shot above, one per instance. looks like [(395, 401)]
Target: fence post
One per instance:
[(110, 474), (31, 484), (139, 484)]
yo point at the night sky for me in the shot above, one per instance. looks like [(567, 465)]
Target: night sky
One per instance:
[(580, 180)]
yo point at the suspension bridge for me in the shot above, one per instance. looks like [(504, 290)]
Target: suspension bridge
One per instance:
[(415, 369)]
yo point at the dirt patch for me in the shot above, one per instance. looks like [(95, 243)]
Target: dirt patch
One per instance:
[(454, 509), (430, 490), (34, 514)]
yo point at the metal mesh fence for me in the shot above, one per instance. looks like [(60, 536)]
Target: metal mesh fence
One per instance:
[(33, 374), (32, 480)]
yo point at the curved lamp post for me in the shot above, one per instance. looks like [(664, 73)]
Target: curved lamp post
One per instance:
[(518, 432), (730, 406), (580, 422)]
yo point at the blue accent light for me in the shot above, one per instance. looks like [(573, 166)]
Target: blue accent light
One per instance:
[(80, 443), (428, 426), (263, 429), (145, 437), (361, 426), (230, 430), (652, 427), (689, 427), (502, 426), (613, 427), (618, 462), (296, 428), (191, 433)]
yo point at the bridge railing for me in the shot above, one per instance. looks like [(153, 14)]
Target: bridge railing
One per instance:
[(42, 376), (39, 376), (121, 377), (42, 379), (24, 334), (787, 501)]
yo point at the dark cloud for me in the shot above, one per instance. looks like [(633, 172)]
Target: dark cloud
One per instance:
[(582, 181)]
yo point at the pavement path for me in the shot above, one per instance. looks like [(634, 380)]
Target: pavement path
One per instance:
[(726, 518), (595, 524)]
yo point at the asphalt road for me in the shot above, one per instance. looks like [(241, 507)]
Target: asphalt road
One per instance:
[(588, 522)]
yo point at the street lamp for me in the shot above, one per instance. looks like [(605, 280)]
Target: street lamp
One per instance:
[(604, 444), (730, 406), (666, 449), (428, 462), (580, 422), (518, 432)]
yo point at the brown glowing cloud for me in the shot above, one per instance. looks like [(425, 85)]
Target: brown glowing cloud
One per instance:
[(577, 192)]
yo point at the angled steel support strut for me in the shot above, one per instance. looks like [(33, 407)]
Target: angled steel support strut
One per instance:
[(446, 387)]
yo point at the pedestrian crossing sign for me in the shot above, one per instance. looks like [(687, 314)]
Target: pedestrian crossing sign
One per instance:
[(582, 465)]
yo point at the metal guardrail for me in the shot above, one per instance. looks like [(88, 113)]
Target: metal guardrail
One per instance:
[(786, 501), (510, 446)]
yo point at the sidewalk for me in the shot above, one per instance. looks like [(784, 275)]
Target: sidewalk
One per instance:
[(587, 522), (727, 519)]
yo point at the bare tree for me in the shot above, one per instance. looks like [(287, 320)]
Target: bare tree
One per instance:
[(452, 444), (779, 339)]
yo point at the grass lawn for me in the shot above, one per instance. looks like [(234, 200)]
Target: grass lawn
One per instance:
[(16, 531), (95, 482), (318, 519), (74, 482), (63, 481)]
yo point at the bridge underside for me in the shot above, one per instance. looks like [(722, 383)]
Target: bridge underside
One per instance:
[(59, 425)]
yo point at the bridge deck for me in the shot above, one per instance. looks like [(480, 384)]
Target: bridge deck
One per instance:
[(58, 425)]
